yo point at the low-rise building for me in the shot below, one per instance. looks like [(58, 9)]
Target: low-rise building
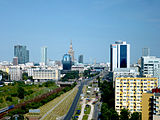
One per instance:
[(44, 74)]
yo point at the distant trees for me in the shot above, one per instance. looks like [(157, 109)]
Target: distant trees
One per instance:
[(135, 116), (71, 75), (8, 98), (48, 84), (26, 77), (124, 115), (20, 92), (107, 109), (5, 75)]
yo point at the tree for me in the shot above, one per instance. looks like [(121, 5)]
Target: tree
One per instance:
[(8, 98), (135, 116), (5, 75), (25, 76), (108, 114), (20, 92), (124, 114)]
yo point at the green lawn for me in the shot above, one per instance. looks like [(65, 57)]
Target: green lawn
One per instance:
[(85, 117), (30, 91), (87, 110), (61, 109)]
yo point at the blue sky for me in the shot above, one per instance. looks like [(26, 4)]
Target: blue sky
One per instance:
[(91, 24)]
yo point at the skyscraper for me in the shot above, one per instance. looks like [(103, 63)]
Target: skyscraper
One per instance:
[(67, 63), (22, 53), (80, 59), (119, 55), (44, 55), (71, 52), (145, 52)]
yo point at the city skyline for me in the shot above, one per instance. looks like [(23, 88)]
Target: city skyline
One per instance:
[(92, 26)]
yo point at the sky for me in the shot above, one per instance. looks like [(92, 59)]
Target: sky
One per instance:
[(92, 25)]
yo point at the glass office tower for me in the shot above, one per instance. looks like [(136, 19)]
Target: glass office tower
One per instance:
[(67, 62), (22, 53), (44, 55), (119, 55)]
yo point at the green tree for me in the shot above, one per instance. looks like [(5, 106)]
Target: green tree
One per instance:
[(25, 76), (8, 98), (108, 114), (124, 115), (135, 116), (20, 92), (5, 75), (71, 75), (1, 100)]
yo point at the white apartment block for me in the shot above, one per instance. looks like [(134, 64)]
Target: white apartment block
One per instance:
[(128, 92), (125, 72), (150, 66), (15, 73)]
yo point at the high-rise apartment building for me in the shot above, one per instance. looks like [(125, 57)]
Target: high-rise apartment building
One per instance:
[(71, 52), (128, 92), (80, 59), (151, 105), (22, 53), (145, 52), (44, 55), (150, 66), (119, 55)]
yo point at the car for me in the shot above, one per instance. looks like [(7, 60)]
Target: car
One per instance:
[(78, 111)]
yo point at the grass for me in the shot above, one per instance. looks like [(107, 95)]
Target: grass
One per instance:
[(85, 117), (61, 109), (7, 91), (87, 110)]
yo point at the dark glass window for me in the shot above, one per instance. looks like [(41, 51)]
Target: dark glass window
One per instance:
[(123, 56)]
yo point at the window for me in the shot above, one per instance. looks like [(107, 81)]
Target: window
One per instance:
[(123, 56)]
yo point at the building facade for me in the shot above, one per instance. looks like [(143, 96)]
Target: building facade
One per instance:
[(71, 53), (44, 55), (22, 53), (15, 61), (119, 55), (67, 62), (150, 66), (151, 105), (15, 73), (43, 75), (145, 52), (128, 92), (80, 59)]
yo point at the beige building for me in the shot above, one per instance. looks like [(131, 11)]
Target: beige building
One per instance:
[(43, 75), (71, 52), (151, 106), (128, 92)]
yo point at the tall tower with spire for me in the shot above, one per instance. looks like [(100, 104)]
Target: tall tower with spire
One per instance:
[(71, 52)]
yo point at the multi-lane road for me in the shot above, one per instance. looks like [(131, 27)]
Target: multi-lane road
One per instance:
[(74, 104)]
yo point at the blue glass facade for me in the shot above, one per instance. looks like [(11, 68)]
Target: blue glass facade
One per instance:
[(67, 62), (123, 56), (22, 53)]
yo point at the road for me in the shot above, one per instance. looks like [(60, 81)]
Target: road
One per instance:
[(74, 104)]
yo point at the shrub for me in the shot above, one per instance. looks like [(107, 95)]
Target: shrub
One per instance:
[(8, 98)]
